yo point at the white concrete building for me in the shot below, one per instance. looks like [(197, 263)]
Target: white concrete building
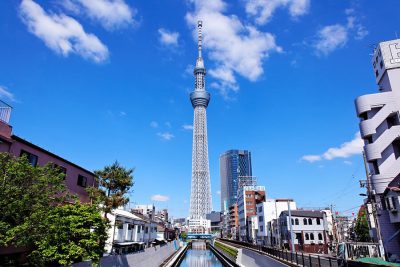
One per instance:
[(267, 211), (380, 131), (129, 232), (199, 226), (309, 230)]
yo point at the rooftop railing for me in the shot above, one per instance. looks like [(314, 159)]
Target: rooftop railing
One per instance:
[(5, 112)]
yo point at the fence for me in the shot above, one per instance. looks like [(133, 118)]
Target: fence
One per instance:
[(298, 258), (5, 112)]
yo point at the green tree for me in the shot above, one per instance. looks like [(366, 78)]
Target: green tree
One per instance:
[(32, 215), (74, 233), (114, 181), (362, 228)]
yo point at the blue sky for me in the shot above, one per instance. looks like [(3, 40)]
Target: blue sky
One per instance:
[(105, 80)]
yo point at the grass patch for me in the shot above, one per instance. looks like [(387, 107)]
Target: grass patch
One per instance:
[(231, 251)]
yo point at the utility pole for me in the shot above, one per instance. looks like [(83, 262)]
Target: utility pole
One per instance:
[(291, 227), (372, 200)]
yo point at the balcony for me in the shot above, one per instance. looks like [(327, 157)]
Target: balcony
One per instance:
[(5, 112)]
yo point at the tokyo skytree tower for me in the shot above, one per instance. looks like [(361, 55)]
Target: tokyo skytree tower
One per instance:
[(200, 197)]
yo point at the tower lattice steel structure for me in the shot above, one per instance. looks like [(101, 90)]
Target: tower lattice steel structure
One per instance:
[(200, 198)]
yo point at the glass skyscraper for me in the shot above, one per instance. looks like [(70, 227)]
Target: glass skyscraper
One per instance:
[(235, 169)]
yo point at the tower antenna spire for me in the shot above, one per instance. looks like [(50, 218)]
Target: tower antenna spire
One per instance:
[(199, 43)]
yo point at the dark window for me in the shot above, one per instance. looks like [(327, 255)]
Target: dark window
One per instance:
[(260, 218), (376, 168), (394, 203), (312, 236), (381, 64), (32, 159), (383, 203), (318, 221), (307, 236), (296, 221), (319, 236), (388, 204), (261, 228), (376, 73), (305, 221), (82, 181), (396, 148), (309, 221), (61, 169), (146, 230), (292, 222)]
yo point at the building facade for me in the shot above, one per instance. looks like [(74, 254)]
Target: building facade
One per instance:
[(77, 179), (380, 131), (248, 198), (200, 196), (267, 211), (309, 231), (233, 164)]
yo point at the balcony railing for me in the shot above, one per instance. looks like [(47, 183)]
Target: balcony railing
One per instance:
[(5, 112)]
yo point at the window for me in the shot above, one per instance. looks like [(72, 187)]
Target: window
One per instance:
[(32, 159), (292, 222), (383, 203), (309, 221), (305, 221), (319, 236), (261, 228), (376, 73), (82, 181), (260, 218), (260, 209), (307, 236), (381, 64), (312, 236), (61, 169), (318, 221), (296, 221), (394, 202)]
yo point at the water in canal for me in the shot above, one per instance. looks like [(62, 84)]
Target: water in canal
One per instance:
[(200, 256)]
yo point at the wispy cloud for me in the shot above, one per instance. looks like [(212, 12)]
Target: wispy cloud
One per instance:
[(225, 38), (4, 92), (188, 127), (345, 150), (219, 192), (111, 14), (332, 37), (167, 136), (160, 198), (168, 37), (62, 33), (154, 124), (263, 10)]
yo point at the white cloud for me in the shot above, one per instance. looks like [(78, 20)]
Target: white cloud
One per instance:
[(332, 37), (226, 38), (167, 37), (188, 127), (61, 33), (219, 192), (160, 198), (154, 124), (4, 92), (167, 136), (348, 162), (263, 10), (347, 149), (329, 38), (122, 113), (111, 14)]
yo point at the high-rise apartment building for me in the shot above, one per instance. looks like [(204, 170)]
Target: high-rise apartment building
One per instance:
[(380, 130), (235, 171)]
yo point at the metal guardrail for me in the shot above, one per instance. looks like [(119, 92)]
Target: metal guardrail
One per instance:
[(298, 258), (5, 112)]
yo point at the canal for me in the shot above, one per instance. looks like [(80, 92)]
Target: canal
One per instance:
[(200, 256)]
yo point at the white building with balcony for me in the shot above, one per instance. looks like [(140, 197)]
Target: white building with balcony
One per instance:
[(380, 130)]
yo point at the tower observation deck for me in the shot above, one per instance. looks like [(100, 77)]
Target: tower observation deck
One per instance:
[(200, 197)]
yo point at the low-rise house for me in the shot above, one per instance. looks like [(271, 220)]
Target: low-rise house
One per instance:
[(126, 233), (309, 230), (267, 211)]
